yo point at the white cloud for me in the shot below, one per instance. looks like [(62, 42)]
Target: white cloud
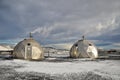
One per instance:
[(116, 44), (100, 28), (43, 31)]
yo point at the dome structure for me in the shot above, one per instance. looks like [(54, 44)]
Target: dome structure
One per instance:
[(83, 49), (28, 49)]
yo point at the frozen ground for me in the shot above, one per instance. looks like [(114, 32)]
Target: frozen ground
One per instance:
[(60, 69)]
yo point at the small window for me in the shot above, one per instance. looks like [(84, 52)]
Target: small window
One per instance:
[(28, 44), (90, 44), (76, 45)]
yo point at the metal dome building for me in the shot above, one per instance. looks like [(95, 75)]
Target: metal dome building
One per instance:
[(28, 49), (83, 49)]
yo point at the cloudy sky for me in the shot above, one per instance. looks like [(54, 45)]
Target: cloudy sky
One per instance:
[(59, 23)]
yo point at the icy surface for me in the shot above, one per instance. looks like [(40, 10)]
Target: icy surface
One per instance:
[(102, 67)]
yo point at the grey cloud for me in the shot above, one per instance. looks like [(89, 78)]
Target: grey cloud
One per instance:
[(63, 21)]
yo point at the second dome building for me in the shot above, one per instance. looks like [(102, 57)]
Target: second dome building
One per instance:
[(83, 49)]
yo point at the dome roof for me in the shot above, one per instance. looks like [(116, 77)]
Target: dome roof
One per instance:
[(28, 49), (83, 48)]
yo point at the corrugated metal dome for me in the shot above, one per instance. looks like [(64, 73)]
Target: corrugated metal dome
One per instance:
[(83, 49), (28, 49)]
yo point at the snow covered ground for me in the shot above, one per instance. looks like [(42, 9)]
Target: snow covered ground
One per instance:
[(106, 68), (60, 67)]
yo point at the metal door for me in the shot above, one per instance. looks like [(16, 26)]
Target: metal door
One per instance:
[(28, 52)]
